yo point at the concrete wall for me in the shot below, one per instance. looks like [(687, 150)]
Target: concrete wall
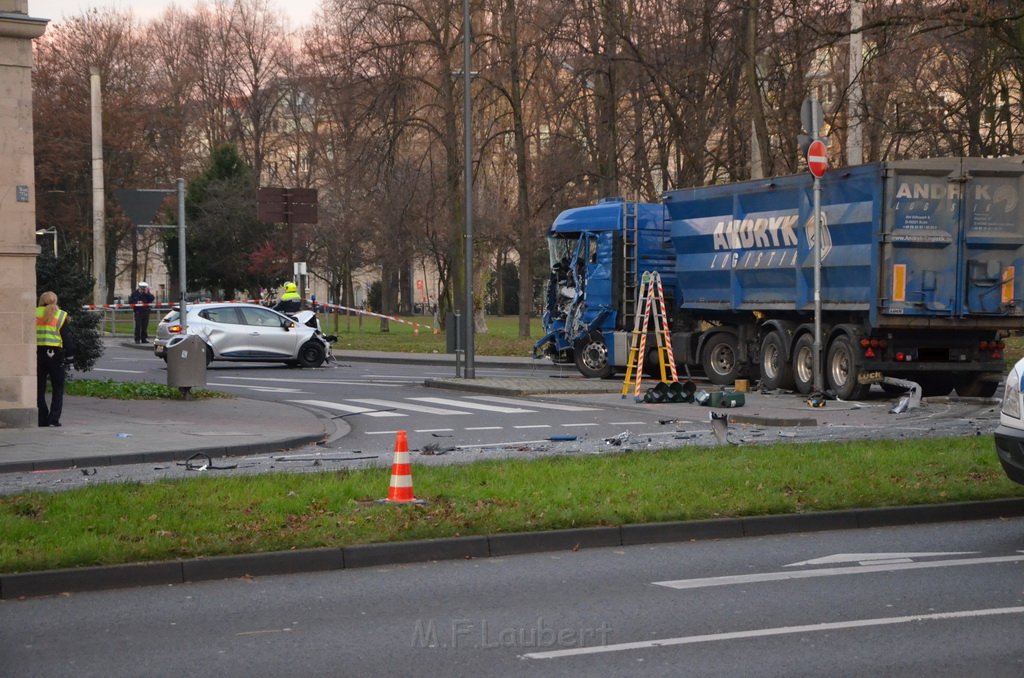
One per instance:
[(18, 247)]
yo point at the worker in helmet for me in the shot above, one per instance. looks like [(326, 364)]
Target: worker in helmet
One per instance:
[(289, 301)]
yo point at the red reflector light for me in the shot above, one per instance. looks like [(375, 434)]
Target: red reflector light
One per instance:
[(869, 353), (874, 343), (983, 345), (899, 357), (996, 355)]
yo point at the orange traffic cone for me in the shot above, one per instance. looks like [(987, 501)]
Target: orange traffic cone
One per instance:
[(400, 490)]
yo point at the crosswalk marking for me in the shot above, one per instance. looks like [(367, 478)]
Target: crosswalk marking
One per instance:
[(535, 405), (339, 382), (260, 389), (473, 406), (399, 405), (347, 408)]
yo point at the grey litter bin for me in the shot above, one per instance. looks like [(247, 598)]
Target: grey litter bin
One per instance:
[(186, 362)]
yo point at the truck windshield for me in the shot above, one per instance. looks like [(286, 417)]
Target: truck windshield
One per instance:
[(561, 248)]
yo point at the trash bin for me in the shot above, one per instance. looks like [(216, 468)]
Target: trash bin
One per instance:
[(453, 332), (186, 362)]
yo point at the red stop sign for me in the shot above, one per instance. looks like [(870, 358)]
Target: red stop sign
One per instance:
[(817, 158)]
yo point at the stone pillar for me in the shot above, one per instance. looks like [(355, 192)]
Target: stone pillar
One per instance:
[(18, 249)]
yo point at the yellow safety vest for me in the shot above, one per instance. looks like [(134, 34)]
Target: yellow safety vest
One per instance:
[(288, 296), (48, 333)]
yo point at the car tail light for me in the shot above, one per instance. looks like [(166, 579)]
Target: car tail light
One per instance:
[(865, 342), (174, 329)]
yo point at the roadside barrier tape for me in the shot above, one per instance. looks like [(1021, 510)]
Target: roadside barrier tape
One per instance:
[(326, 307)]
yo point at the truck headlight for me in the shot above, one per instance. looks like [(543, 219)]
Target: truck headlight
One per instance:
[(1011, 395)]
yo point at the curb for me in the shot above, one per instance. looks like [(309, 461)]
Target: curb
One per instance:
[(162, 573)]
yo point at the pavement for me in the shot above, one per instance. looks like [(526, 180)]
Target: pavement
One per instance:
[(99, 432)]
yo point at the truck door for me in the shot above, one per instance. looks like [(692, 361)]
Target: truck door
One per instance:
[(919, 237), (993, 238)]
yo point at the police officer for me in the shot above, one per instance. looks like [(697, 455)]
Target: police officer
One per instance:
[(290, 301), (53, 345), (143, 297)]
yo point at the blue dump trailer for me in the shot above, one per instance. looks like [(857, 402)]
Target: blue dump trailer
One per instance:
[(918, 277)]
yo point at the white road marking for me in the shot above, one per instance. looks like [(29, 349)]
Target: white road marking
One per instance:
[(866, 558), (261, 389), (107, 369), (382, 433), (584, 424), (473, 406), (483, 428), (626, 423), (340, 382), (434, 430), (398, 405), (536, 405), (512, 443), (533, 426), (830, 572), (347, 408), (776, 631)]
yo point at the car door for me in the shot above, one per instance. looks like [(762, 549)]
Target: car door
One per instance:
[(223, 329), (269, 335)]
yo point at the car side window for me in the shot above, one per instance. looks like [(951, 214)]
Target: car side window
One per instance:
[(261, 317), (226, 316)]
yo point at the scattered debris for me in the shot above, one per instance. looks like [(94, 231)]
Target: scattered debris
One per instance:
[(618, 439), (668, 421), (124, 435), (88, 471), (720, 427), (193, 463), (556, 439), (442, 435)]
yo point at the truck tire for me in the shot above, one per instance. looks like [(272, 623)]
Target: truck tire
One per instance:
[(842, 366), (776, 372), (592, 357), (803, 364), (720, 360), (972, 386)]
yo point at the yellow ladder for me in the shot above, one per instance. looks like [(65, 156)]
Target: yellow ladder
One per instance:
[(652, 295)]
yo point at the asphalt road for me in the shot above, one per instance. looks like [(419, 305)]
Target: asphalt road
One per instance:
[(937, 600)]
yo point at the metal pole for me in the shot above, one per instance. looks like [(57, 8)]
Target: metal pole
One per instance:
[(183, 278), (99, 244), (818, 380), (854, 132), (467, 80)]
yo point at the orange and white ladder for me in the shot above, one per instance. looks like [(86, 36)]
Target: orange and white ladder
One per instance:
[(652, 295)]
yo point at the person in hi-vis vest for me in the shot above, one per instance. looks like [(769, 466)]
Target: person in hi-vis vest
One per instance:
[(53, 345)]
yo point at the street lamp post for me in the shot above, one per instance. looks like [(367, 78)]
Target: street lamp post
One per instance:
[(467, 80)]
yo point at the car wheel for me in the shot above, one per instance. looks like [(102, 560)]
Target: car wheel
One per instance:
[(803, 364), (843, 367), (719, 359), (311, 354), (592, 357), (776, 372)]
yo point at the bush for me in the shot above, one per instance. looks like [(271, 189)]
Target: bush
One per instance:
[(73, 286)]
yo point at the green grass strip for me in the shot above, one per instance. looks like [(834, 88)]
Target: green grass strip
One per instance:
[(131, 390), (212, 515)]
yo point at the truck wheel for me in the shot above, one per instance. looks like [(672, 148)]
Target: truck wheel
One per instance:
[(975, 387), (776, 372), (311, 354), (803, 364), (843, 367), (592, 357), (719, 359)]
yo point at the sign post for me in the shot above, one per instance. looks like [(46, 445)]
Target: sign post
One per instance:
[(817, 163)]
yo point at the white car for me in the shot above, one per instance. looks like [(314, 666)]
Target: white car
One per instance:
[(248, 333), (1009, 434)]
